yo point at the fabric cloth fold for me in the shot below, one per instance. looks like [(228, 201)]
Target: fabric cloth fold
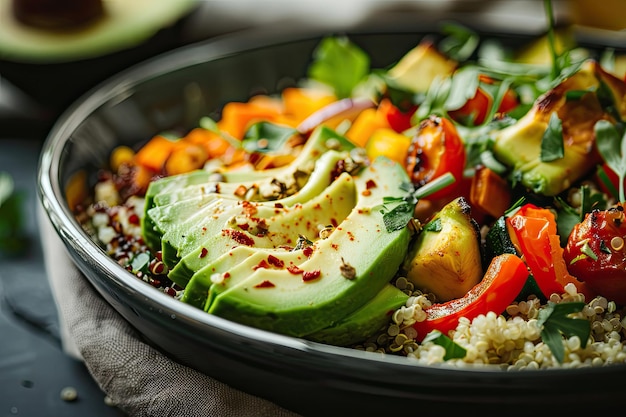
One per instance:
[(141, 380)]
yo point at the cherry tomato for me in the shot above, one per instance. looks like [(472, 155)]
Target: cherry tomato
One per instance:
[(435, 150), (596, 254), (475, 110)]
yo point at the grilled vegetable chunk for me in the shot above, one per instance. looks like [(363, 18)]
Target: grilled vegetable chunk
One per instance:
[(445, 259), (564, 116)]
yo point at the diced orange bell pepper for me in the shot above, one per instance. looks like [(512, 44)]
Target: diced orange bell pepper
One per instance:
[(300, 103), (387, 142), (365, 124)]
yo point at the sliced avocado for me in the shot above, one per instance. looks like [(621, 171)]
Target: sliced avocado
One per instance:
[(283, 229), (344, 271), (519, 146), (322, 140), (233, 266), (188, 234), (364, 322), (446, 259)]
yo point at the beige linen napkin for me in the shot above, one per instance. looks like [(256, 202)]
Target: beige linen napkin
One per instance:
[(141, 380)]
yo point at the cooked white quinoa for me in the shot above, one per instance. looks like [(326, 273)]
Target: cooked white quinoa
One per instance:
[(511, 341)]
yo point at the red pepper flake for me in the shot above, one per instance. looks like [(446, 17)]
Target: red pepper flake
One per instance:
[(311, 275), (249, 208), (333, 221), (278, 205), (263, 264), (370, 184), (265, 284), (244, 226), (133, 219), (334, 246), (203, 253), (366, 193), (275, 261), (294, 270), (239, 237), (308, 251), (226, 275)]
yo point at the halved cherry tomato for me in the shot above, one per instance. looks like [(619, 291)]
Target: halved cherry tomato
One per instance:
[(435, 150), (398, 119), (536, 235), (596, 254), (504, 279), (475, 110)]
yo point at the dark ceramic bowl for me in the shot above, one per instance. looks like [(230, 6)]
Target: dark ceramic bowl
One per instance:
[(174, 91)]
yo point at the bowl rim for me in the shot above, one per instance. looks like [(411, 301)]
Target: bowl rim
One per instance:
[(74, 237)]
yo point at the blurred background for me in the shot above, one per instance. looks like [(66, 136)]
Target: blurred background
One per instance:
[(53, 51)]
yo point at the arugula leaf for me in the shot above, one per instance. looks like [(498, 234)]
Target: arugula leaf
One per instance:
[(460, 42), (267, 137), (612, 148), (453, 350), (339, 63), (552, 145), (556, 322)]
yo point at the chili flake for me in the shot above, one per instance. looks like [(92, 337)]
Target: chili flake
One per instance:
[(265, 284), (311, 275)]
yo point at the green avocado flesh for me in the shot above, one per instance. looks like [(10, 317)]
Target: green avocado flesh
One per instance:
[(364, 322), (266, 264), (299, 304)]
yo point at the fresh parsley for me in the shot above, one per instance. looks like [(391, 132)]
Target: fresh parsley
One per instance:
[(612, 148), (556, 322), (398, 217), (552, 145)]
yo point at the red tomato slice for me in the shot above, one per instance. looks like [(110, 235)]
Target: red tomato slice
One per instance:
[(435, 150), (504, 279)]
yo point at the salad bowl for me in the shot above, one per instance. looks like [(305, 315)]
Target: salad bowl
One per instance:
[(174, 91)]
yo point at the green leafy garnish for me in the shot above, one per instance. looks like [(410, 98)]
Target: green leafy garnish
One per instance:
[(433, 225), (612, 148), (460, 42), (339, 63), (453, 350), (400, 215), (13, 240), (556, 322), (552, 146), (266, 137)]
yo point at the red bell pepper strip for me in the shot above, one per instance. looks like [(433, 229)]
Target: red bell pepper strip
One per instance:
[(536, 235), (504, 279)]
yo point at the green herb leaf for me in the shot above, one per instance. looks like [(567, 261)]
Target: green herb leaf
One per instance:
[(266, 137), (556, 323), (552, 146), (433, 226), (339, 63), (463, 87), (398, 217), (453, 350), (611, 148), (460, 42)]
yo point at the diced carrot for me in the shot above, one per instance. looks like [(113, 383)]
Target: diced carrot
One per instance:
[(489, 192), (214, 144), (237, 116), (365, 124), (154, 153)]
